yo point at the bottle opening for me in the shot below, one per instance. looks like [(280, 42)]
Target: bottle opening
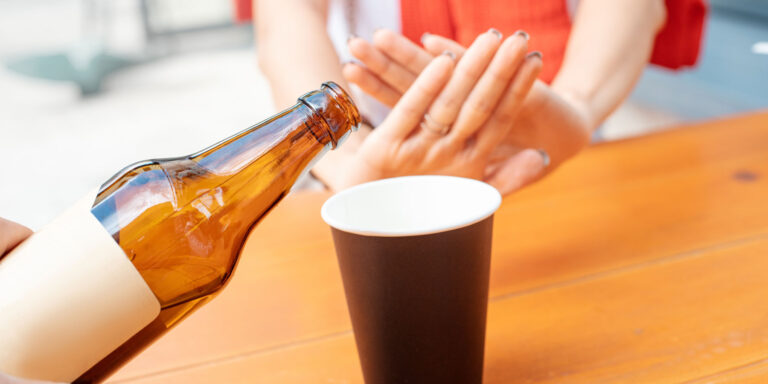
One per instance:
[(333, 106)]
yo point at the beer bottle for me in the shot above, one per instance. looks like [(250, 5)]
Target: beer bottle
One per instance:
[(179, 225)]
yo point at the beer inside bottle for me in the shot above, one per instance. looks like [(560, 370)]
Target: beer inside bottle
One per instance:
[(182, 221)]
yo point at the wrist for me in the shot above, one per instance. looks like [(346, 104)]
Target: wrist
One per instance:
[(581, 110)]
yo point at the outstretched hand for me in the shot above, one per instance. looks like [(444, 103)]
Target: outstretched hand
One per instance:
[(390, 64), (450, 116)]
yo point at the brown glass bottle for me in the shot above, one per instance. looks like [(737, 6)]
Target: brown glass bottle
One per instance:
[(182, 221)]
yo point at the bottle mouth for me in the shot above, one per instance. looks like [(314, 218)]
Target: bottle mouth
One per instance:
[(350, 109), (336, 111)]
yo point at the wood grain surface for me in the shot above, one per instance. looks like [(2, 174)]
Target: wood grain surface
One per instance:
[(641, 260)]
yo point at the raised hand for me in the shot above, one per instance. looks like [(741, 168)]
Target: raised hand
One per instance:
[(449, 119), (389, 64)]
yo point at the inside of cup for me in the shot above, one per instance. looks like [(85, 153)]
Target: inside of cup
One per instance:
[(412, 205)]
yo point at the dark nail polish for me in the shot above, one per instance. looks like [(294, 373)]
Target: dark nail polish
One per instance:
[(535, 53), (350, 37), (423, 37), (523, 34), (496, 32), (545, 157), (450, 54)]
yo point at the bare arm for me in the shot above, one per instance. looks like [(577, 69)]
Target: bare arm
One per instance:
[(610, 44), (296, 55), (295, 52)]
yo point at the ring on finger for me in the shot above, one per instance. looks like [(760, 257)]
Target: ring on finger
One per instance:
[(429, 124)]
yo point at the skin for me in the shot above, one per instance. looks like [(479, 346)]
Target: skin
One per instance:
[(475, 97), (5, 379), (604, 59), (449, 92), (11, 235)]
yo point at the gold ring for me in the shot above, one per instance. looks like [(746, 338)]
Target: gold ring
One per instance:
[(429, 124)]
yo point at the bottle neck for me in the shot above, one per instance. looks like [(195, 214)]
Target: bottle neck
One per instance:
[(291, 130), (335, 112), (328, 115)]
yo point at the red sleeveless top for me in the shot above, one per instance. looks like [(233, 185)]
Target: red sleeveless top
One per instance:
[(549, 24), (547, 21)]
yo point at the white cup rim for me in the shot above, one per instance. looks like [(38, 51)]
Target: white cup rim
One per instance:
[(411, 206)]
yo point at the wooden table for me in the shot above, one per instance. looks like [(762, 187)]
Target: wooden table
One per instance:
[(643, 260)]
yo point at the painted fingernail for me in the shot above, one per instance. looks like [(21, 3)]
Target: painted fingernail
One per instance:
[(350, 37), (535, 54), (523, 34), (424, 37), (544, 156), (450, 54), (496, 32)]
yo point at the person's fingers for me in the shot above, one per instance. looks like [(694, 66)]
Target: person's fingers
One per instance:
[(486, 93), (498, 125), (401, 50), (518, 171), (408, 112), (11, 234), (446, 107), (370, 84), (385, 68), (436, 44)]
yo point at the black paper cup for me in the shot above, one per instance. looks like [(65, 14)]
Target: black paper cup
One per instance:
[(414, 254)]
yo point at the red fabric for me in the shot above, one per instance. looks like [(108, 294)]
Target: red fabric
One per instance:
[(548, 23), (243, 10), (462, 20), (678, 43)]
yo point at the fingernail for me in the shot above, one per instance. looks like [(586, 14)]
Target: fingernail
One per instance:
[(544, 156), (496, 32), (450, 54), (345, 62), (523, 34), (350, 37), (535, 53), (423, 37)]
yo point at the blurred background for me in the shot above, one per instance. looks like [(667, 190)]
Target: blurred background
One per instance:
[(89, 86)]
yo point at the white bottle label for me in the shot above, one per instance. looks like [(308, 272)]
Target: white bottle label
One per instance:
[(68, 297)]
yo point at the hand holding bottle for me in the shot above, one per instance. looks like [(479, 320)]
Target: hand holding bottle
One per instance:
[(452, 116)]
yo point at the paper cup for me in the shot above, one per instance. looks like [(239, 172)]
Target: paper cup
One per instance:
[(414, 254)]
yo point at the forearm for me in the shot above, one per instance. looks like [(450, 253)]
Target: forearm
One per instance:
[(610, 43), (296, 55), (294, 51)]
